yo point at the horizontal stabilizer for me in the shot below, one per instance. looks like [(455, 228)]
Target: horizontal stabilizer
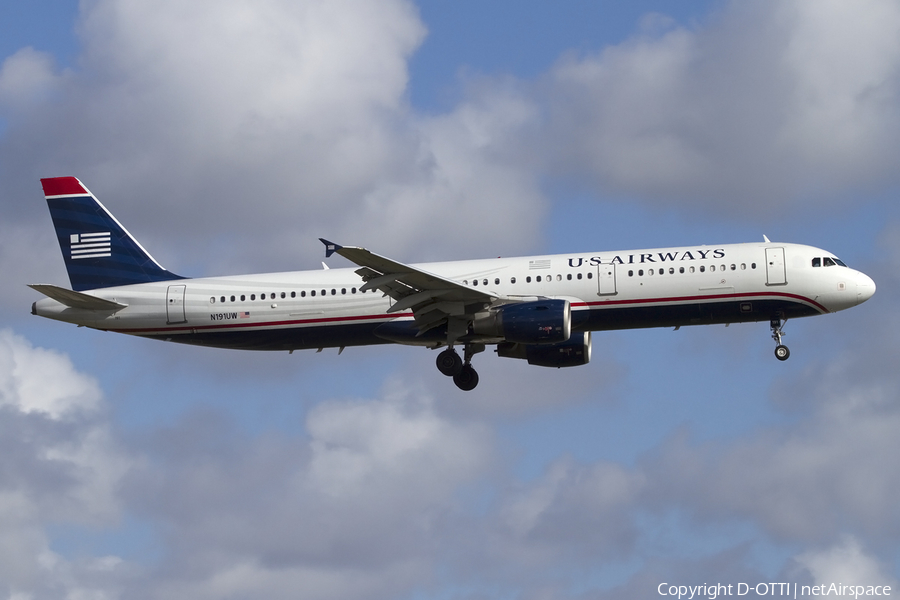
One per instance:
[(76, 299)]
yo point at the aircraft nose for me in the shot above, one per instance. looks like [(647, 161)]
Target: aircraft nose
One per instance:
[(865, 288)]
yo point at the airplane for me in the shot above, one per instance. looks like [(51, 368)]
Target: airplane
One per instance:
[(541, 309)]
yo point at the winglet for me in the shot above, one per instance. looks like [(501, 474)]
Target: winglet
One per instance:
[(766, 239), (330, 247)]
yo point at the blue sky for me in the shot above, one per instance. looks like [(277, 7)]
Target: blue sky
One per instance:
[(228, 136)]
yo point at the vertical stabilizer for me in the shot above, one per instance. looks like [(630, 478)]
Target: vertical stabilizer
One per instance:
[(98, 251)]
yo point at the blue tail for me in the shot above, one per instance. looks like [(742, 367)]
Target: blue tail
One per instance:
[(99, 252)]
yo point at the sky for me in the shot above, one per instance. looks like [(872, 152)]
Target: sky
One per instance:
[(229, 135)]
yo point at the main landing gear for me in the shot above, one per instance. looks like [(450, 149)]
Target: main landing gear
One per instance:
[(781, 351), (450, 364)]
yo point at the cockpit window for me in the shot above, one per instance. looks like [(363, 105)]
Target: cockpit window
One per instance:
[(828, 261)]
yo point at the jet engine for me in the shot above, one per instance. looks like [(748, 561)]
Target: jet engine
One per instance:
[(574, 352), (536, 322)]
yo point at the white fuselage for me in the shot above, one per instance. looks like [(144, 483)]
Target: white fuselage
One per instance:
[(606, 290)]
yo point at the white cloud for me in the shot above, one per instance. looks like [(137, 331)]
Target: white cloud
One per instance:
[(60, 466), (26, 77), (37, 380), (237, 133), (831, 473), (845, 563), (763, 107), (355, 509)]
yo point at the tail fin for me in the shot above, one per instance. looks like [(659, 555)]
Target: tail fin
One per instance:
[(99, 252)]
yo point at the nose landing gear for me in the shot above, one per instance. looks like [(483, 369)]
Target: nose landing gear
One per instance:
[(781, 351), (464, 375)]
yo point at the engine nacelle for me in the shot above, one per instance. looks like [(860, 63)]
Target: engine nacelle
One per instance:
[(537, 322), (574, 352)]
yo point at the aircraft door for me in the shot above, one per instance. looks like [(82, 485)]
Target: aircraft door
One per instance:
[(775, 274), (175, 304), (606, 280)]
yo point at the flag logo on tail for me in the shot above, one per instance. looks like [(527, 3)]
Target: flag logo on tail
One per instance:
[(90, 245)]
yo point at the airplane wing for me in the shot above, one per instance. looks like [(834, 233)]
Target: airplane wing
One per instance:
[(434, 300)]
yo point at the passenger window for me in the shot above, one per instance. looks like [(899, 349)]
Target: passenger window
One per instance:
[(528, 279), (692, 269), (752, 265), (512, 279), (721, 267), (734, 267), (497, 281), (711, 268), (650, 272), (243, 297), (672, 270), (681, 269), (312, 292), (569, 277), (253, 296), (743, 266), (343, 290), (538, 279), (232, 298), (702, 269), (578, 276), (475, 282), (640, 272), (630, 273), (212, 300)]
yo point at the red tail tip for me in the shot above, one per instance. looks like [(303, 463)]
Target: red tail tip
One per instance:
[(61, 186)]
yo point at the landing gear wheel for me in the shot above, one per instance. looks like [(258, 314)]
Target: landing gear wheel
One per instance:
[(466, 379), (449, 363), (782, 352)]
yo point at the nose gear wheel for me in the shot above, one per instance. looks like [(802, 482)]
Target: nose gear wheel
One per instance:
[(781, 351)]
